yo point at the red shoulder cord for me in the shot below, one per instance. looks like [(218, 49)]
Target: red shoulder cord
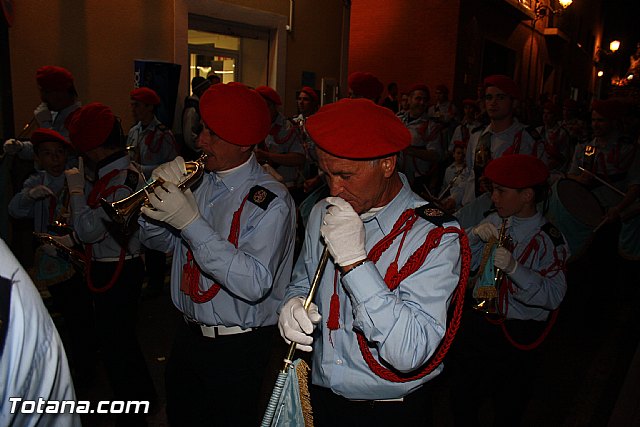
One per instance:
[(100, 190), (507, 286), (393, 278), (191, 272)]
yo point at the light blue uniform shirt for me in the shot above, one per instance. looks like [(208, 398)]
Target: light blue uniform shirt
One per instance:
[(404, 326), (253, 276), (33, 364), (91, 224), (535, 295), (22, 206), (161, 147)]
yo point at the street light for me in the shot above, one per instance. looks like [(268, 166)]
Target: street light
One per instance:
[(614, 45)]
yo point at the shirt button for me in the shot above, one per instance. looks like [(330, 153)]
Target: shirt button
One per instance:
[(338, 362)]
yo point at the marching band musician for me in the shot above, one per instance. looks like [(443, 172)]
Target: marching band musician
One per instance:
[(233, 242), (114, 270), (43, 198), (59, 99), (152, 144), (555, 141), (504, 134), (498, 360), (371, 226)]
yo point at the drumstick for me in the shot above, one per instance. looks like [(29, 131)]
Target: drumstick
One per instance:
[(602, 181), (603, 222)]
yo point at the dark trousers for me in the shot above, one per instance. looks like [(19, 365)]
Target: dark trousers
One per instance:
[(116, 317), (332, 410), (155, 265), (484, 365), (72, 299), (217, 381)]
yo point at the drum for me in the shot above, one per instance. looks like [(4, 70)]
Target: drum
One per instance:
[(576, 212)]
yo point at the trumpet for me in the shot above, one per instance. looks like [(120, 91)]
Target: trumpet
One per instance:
[(123, 211), (488, 295), (76, 257)]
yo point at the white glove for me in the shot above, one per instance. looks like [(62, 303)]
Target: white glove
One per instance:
[(296, 324), (172, 206), (40, 192), (43, 115), (343, 232), (75, 178), (485, 231), (173, 171), (505, 261), (12, 146)]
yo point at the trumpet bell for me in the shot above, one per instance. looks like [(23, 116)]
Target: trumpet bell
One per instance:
[(123, 211)]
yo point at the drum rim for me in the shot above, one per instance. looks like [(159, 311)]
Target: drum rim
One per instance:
[(592, 221)]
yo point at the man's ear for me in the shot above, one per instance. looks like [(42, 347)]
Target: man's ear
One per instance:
[(244, 149), (388, 165), (528, 195)]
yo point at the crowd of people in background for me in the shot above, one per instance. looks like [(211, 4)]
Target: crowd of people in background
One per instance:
[(408, 193)]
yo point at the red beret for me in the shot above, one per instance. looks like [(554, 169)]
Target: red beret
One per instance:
[(145, 95), (45, 135), (517, 171), (52, 78), (270, 94), (420, 86), (311, 92), (504, 83), (609, 108), (236, 113), (357, 129), (90, 126), (459, 143), (365, 85)]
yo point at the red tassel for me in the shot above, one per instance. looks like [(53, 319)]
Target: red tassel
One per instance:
[(333, 322), (392, 272)]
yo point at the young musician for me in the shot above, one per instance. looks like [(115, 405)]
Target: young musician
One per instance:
[(114, 270), (498, 359)]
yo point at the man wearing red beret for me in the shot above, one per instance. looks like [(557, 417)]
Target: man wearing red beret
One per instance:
[(380, 309), (468, 124), (504, 134), (444, 115), (232, 240), (150, 143), (58, 94), (114, 269), (498, 360), (420, 159), (282, 148)]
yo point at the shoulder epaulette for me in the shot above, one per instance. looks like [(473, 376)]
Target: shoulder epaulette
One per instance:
[(261, 197), (554, 234), (5, 306), (131, 180), (434, 215), (531, 130)]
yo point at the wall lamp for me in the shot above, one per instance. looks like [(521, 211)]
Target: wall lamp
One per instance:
[(543, 10)]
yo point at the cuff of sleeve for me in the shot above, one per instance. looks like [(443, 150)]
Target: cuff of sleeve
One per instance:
[(361, 283)]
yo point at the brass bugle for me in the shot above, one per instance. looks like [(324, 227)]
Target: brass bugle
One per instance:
[(489, 305), (123, 211), (76, 257)]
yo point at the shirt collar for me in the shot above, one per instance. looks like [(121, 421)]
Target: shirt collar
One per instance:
[(389, 214), (515, 126), (237, 176)]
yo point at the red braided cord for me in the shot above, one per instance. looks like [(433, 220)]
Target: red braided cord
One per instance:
[(413, 263), (197, 295), (93, 201)]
